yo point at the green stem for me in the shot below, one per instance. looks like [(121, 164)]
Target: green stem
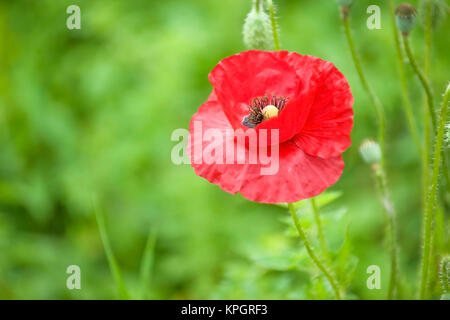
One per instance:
[(422, 79), (376, 102), (426, 117), (258, 5), (428, 30), (323, 243), (431, 199), (311, 253), (391, 229), (273, 21), (404, 85)]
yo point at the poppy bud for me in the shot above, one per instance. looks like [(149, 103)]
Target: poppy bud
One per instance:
[(270, 111), (370, 151), (405, 16), (345, 7), (438, 12), (257, 28)]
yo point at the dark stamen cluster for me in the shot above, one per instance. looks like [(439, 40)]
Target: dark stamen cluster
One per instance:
[(255, 115)]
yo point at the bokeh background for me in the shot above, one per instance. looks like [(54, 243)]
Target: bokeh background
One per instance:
[(88, 114)]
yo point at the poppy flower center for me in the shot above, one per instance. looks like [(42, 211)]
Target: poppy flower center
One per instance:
[(263, 108)]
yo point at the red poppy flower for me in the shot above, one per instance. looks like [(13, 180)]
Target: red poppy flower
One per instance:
[(313, 113)]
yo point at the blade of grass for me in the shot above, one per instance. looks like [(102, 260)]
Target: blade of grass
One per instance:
[(147, 261), (113, 266)]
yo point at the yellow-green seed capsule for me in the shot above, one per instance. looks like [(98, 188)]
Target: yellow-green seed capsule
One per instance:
[(270, 111)]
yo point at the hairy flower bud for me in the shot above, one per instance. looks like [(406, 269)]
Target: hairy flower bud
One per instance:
[(405, 16), (370, 151), (257, 28), (438, 12)]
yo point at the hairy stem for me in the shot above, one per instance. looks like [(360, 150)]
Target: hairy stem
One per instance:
[(427, 115), (311, 253), (323, 243), (273, 21), (431, 198), (258, 4), (422, 79)]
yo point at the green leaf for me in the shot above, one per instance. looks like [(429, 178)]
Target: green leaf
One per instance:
[(345, 262), (147, 262), (327, 197), (113, 266), (279, 263), (320, 289), (288, 260)]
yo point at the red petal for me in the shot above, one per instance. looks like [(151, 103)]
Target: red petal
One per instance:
[(326, 132)]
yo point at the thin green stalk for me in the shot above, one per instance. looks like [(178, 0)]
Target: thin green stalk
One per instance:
[(404, 85), (431, 199), (323, 243), (422, 79), (257, 5), (113, 266), (376, 102), (273, 21), (391, 229), (311, 253), (428, 30), (427, 72), (426, 116)]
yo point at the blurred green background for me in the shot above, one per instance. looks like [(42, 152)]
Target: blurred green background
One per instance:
[(89, 113)]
